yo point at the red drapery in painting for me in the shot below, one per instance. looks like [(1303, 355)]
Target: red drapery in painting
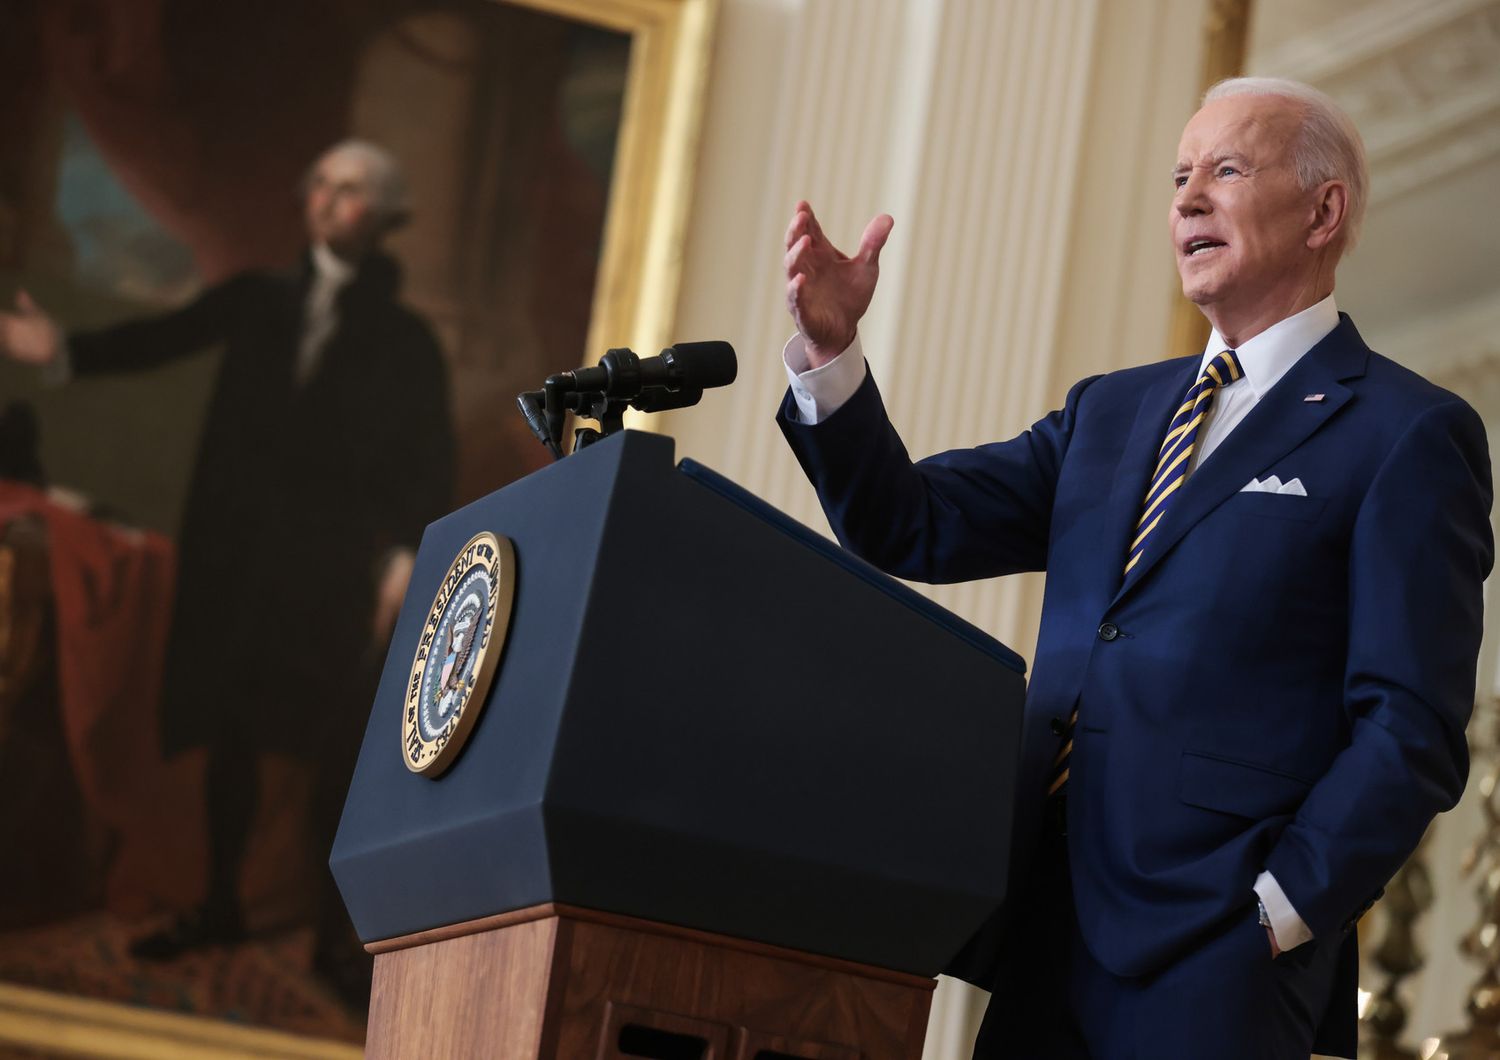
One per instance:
[(111, 592), (182, 98)]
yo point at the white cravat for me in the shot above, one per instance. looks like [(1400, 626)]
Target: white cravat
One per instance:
[(820, 392), (320, 317)]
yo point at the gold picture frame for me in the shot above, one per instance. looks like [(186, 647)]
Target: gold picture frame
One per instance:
[(1226, 35), (640, 265)]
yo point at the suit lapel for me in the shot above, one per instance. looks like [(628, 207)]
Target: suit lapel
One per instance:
[(1133, 472), (1279, 423)]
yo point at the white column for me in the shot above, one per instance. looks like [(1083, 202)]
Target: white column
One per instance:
[(1024, 149)]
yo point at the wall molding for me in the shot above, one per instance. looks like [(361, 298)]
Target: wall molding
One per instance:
[(1459, 350), (1372, 32), (1422, 82)]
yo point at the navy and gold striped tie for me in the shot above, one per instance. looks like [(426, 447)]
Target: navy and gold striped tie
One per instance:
[(1172, 464), (1177, 448)]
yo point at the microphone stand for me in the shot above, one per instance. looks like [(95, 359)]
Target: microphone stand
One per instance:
[(610, 412), (546, 409)]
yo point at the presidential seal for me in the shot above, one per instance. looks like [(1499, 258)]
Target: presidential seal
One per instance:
[(458, 653)]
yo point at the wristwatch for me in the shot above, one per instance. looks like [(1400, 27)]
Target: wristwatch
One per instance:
[(1265, 917)]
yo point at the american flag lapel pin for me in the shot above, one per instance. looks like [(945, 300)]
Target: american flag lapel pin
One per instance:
[(1313, 397)]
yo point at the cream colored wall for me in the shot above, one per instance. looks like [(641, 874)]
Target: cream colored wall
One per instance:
[(1024, 150)]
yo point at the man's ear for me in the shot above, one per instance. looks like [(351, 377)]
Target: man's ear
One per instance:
[(1330, 207)]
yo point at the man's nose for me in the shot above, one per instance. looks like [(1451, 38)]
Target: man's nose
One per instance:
[(1192, 197)]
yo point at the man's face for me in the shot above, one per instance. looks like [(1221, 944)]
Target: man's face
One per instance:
[(340, 208), (1239, 219)]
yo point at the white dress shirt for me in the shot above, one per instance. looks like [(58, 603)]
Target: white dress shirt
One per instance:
[(820, 392), (1265, 359)]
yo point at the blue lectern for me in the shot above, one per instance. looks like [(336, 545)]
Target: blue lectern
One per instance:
[(722, 764)]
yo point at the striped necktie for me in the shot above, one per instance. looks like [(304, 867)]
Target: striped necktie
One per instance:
[(1172, 464), (1177, 448)]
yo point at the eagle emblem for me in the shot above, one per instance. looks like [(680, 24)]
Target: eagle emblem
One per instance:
[(457, 653)]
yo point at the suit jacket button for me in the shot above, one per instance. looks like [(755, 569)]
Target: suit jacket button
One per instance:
[(1059, 727), (1109, 631)]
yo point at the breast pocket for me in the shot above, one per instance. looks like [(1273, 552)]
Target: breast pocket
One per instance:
[(1278, 505), (1240, 788)]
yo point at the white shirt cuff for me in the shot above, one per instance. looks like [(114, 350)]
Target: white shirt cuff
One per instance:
[(1286, 925), (820, 392)]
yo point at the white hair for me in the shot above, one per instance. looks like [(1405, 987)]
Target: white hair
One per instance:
[(387, 183), (1328, 146)]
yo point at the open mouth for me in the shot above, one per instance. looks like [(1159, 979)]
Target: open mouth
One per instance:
[(1201, 246)]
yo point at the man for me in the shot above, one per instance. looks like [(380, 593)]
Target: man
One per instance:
[(1262, 613), (327, 448)]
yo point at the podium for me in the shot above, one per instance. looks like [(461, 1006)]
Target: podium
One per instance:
[(732, 793)]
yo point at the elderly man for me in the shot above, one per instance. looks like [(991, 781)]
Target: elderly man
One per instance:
[(326, 449), (1262, 612)]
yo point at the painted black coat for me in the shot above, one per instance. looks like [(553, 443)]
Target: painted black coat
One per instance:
[(297, 494)]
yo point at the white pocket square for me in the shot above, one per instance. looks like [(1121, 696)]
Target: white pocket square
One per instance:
[(1292, 486)]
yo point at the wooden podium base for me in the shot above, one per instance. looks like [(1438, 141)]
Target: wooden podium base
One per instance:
[(556, 981)]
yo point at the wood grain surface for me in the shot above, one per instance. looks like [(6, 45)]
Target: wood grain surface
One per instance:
[(473, 996), (562, 982)]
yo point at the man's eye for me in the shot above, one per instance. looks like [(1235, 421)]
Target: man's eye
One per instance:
[(1227, 171), (1179, 180)]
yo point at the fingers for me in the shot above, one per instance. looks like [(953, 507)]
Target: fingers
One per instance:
[(816, 229), (804, 221), (796, 260), (799, 303), (875, 235), (810, 224), (814, 245), (804, 225), (808, 249), (801, 216), (26, 304), (798, 232), (796, 229), (794, 291)]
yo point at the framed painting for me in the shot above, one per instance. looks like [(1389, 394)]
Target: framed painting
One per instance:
[(157, 156)]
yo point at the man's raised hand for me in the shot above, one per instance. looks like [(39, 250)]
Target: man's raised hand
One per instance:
[(826, 290), (29, 335)]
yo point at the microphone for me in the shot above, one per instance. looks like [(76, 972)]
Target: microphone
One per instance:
[(675, 379), (624, 376)]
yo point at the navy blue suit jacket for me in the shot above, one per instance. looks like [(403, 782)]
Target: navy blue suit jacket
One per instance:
[(1292, 676)]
